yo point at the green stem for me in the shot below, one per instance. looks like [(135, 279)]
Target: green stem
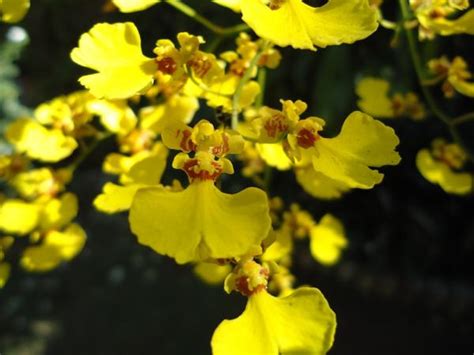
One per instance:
[(419, 69), (245, 78), (262, 79), (468, 117), (87, 151), (189, 11)]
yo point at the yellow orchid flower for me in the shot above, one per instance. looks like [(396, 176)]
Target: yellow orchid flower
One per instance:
[(38, 142), (200, 222), (362, 143), (376, 101), (302, 322), (435, 17), (12, 11), (114, 51), (56, 247), (294, 23), (34, 183), (134, 5), (327, 240), (455, 73), (442, 166)]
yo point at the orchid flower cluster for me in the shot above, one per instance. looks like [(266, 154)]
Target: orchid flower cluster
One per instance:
[(150, 104)]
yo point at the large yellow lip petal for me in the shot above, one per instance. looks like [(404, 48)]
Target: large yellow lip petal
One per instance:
[(439, 173), (301, 26), (200, 222), (114, 51), (301, 323), (362, 143)]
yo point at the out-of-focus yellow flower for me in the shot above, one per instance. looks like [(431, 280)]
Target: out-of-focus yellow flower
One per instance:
[(376, 101), (442, 166), (116, 116), (11, 165), (212, 273), (114, 51), (294, 23), (231, 4), (455, 74), (327, 240), (12, 11), (34, 183), (18, 217), (134, 5), (38, 142), (435, 17), (4, 273), (201, 222), (56, 247), (263, 328), (141, 170)]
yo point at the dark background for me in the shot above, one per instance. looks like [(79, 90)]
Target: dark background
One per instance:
[(404, 285)]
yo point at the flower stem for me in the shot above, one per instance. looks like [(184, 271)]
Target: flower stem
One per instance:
[(245, 78), (189, 11)]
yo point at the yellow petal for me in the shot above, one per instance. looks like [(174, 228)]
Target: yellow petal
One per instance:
[(439, 173), (212, 274), (462, 86), (4, 273), (56, 248), (281, 247), (38, 142), (116, 163), (446, 27), (116, 198), (234, 5), (274, 155), (147, 171), (18, 217), (200, 222), (12, 11), (374, 100), (57, 213), (114, 51), (40, 258), (362, 143), (69, 243), (301, 26), (327, 240), (301, 323), (115, 116), (177, 108), (37, 182), (134, 5), (319, 185)]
